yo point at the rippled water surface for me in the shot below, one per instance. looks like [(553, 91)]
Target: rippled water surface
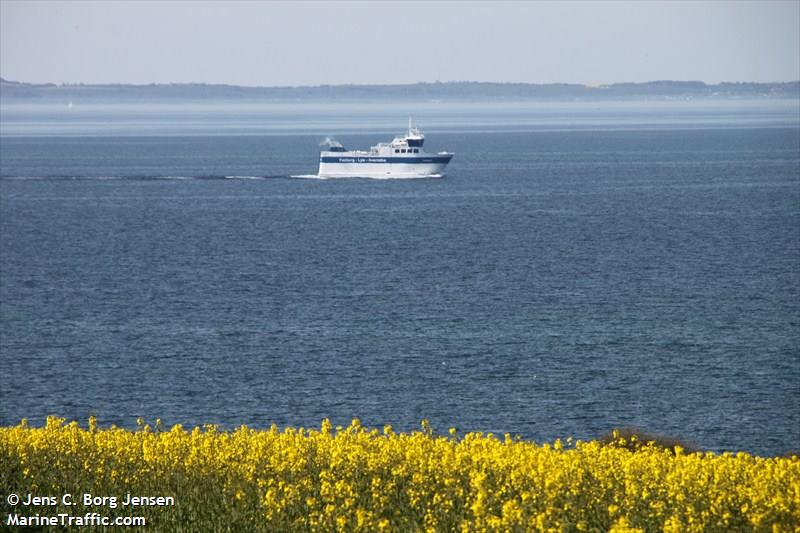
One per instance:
[(564, 278)]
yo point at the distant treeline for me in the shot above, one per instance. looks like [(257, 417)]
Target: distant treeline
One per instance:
[(447, 91)]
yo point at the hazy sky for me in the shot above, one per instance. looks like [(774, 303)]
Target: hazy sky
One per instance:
[(310, 43)]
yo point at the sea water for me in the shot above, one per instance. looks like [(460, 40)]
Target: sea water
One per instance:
[(580, 267)]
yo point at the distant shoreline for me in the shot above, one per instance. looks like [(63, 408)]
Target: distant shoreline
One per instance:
[(464, 91)]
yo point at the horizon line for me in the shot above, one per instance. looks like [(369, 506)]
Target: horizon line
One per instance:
[(436, 82)]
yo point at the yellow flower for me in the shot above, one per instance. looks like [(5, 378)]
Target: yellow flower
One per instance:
[(356, 478)]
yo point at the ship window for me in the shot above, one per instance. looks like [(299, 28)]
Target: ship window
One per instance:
[(403, 150), (416, 150), (397, 150)]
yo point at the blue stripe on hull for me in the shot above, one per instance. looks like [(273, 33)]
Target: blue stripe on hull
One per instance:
[(392, 160)]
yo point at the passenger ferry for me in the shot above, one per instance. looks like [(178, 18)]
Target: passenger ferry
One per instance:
[(404, 157)]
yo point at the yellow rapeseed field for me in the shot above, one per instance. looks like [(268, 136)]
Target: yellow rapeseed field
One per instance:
[(360, 479)]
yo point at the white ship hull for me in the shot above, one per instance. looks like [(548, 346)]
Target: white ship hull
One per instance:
[(388, 169)]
